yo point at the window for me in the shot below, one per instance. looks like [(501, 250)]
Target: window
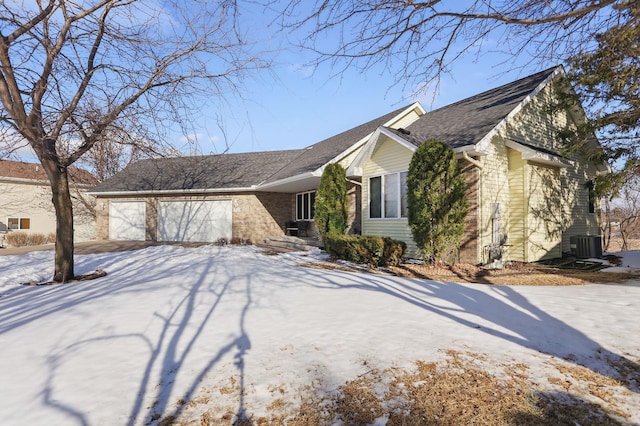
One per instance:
[(388, 196), (305, 205), (19, 223)]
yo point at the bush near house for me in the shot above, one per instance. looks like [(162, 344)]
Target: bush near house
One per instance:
[(376, 251), (332, 204), (22, 239), (437, 201)]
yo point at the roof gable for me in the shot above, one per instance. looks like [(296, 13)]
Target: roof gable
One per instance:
[(469, 121), (321, 153), (463, 124)]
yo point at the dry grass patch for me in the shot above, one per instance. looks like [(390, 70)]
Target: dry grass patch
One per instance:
[(513, 274), (456, 390)]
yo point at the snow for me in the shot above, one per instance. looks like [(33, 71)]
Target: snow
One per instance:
[(170, 323)]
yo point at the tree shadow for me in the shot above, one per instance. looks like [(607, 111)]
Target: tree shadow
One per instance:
[(211, 304), (499, 311)]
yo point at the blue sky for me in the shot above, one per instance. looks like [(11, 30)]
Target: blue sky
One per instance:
[(296, 105), (299, 108)]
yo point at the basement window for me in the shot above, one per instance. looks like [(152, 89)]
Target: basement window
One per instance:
[(305, 205), (16, 223)]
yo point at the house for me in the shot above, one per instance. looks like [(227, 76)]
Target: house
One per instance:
[(25, 204), (527, 199)]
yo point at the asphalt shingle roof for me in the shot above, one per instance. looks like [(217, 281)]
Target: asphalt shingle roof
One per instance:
[(223, 171), (463, 123), (227, 171), (467, 121), (33, 171), (320, 153)]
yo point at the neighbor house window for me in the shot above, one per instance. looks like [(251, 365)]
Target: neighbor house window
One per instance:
[(388, 196), (305, 205), (19, 223)]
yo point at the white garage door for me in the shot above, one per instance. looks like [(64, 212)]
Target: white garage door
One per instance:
[(197, 221), (127, 220)]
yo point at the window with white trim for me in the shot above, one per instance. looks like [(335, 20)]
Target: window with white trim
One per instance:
[(388, 196), (16, 223), (305, 205)]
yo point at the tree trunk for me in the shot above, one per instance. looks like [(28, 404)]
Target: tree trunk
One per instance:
[(63, 261)]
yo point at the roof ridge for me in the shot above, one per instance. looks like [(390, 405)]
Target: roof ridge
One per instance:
[(548, 71)]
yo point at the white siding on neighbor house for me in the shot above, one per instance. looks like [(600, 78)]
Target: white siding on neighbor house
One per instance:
[(33, 201), (389, 157)]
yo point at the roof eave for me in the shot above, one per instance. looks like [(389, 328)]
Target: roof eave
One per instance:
[(170, 191), (532, 155)]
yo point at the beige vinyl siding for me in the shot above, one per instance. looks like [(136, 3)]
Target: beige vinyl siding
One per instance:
[(579, 220), (557, 207), (546, 213), (346, 161), (389, 157), (494, 188), (32, 200), (517, 207), (405, 120), (536, 126)]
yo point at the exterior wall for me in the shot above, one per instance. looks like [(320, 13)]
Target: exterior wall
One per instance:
[(469, 248), (546, 213), (255, 215), (556, 202), (33, 201), (389, 157), (494, 191), (517, 208), (354, 219)]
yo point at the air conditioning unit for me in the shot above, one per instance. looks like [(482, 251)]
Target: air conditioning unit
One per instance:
[(586, 246)]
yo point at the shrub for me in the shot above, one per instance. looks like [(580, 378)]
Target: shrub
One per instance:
[(375, 251), (437, 200), (332, 204), (23, 239)]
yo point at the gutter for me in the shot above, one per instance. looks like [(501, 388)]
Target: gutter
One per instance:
[(170, 192)]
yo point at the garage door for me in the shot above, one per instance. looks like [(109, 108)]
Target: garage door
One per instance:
[(127, 220), (197, 221)]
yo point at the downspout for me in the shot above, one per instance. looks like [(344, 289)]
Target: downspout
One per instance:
[(471, 160)]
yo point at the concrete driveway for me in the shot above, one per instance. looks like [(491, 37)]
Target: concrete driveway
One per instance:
[(92, 247)]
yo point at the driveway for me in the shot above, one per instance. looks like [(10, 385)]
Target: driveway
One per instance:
[(93, 247)]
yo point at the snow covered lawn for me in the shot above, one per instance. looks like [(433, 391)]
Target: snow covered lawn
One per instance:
[(177, 331)]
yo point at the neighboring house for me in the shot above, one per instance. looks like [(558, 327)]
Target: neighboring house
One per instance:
[(25, 200), (526, 199)]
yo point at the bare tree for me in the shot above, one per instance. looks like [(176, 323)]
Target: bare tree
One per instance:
[(419, 40), (72, 70), (627, 211)]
